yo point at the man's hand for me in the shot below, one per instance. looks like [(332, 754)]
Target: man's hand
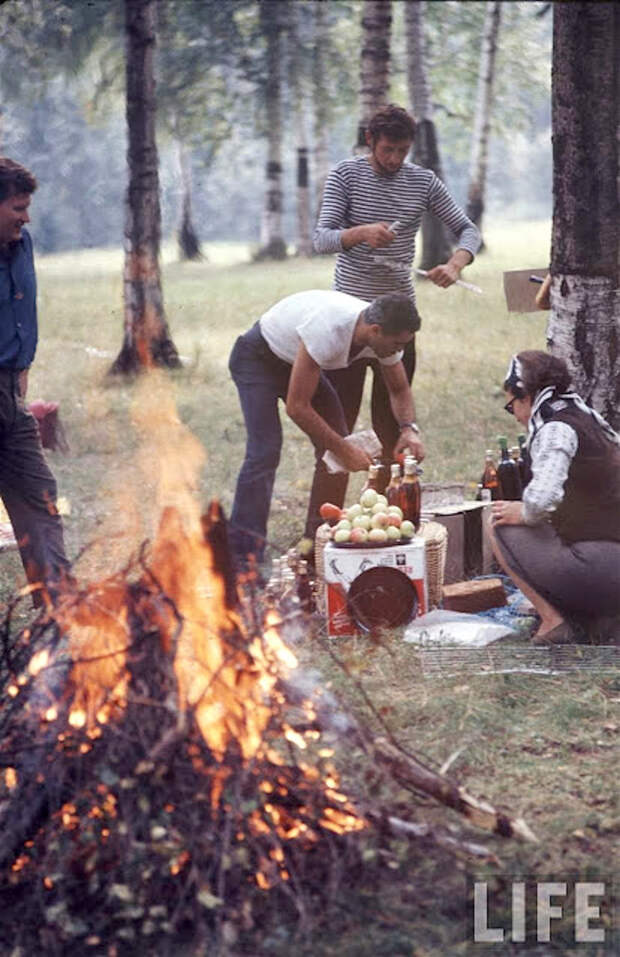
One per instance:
[(447, 273), (507, 513), (543, 296), (377, 235), (354, 458), (409, 440), (444, 275)]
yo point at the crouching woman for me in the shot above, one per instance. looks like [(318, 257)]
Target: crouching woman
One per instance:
[(561, 543)]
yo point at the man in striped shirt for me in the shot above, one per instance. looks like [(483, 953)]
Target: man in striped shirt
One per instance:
[(370, 216)]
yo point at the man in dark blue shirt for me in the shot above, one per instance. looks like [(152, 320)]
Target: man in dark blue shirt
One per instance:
[(27, 486)]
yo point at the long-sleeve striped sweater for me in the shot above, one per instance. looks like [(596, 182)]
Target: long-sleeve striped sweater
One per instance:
[(355, 195)]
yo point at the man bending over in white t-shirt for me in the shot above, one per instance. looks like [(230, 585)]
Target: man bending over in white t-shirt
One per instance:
[(284, 356)]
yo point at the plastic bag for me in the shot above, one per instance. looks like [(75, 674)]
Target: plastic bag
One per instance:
[(365, 439), (442, 627)]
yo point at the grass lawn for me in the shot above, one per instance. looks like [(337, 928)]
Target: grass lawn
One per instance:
[(538, 746)]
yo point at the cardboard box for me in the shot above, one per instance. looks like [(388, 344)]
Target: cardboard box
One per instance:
[(343, 566), (469, 553), (521, 291)]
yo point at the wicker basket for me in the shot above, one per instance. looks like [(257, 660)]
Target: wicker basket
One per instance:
[(436, 548), (323, 536)]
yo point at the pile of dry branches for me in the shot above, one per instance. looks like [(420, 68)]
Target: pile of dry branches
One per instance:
[(125, 829)]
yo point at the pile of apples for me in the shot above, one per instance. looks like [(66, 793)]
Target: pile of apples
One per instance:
[(370, 520)]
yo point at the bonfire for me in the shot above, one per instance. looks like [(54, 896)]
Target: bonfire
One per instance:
[(169, 773)]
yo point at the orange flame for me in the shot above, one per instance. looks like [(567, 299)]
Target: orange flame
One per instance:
[(98, 636), (229, 682)]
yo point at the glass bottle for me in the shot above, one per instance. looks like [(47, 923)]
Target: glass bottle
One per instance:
[(372, 478), (304, 587), (392, 492), (410, 493), (508, 473), (489, 478)]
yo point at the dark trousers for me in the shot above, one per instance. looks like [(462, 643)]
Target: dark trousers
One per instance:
[(349, 385), (262, 380), (28, 488)]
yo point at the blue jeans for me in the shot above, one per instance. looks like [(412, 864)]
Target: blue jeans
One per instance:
[(262, 379)]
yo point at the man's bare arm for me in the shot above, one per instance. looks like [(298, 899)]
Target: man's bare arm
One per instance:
[(302, 386), (403, 408)]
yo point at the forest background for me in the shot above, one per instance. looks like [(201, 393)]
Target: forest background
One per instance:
[(62, 85)]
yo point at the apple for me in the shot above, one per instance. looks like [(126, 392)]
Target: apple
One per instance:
[(342, 535), (353, 511), (407, 529), (380, 520), (368, 498), (379, 507), (394, 520), (381, 499), (393, 533), (395, 510), (377, 535), (361, 521), (359, 535), (344, 523)]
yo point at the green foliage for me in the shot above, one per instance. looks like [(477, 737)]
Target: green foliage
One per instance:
[(200, 45), (211, 72), (45, 38)]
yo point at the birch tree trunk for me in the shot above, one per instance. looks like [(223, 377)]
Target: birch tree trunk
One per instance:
[(436, 239), (272, 17), (320, 101), (189, 244), (298, 88), (482, 116), (374, 62), (584, 324), (146, 337)]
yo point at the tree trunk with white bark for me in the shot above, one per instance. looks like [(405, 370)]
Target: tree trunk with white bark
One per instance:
[(320, 102), (189, 244), (146, 337), (482, 116), (436, 238), (299, 96), (374, 62), (584, 325), (272, 19)]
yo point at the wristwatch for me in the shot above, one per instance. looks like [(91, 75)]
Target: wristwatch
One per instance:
[(409, 425)]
